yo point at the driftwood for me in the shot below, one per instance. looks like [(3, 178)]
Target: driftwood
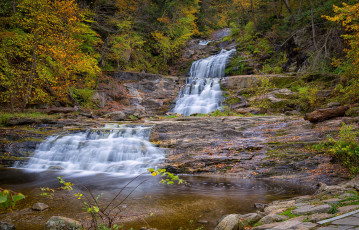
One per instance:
[(61, 110), (325, 114)]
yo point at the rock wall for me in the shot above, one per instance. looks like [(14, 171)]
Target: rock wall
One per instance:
[(138, 93), (244, 81)]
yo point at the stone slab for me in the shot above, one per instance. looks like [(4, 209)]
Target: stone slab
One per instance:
[(353, 220), (310, 209), (335, 227), (348, 208)]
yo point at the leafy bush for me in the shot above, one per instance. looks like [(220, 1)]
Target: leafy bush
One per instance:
[(83, 96), (259, 89), (346, 148), (308, 98)]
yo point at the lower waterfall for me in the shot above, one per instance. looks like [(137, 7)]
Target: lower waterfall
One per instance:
[(114, 148)]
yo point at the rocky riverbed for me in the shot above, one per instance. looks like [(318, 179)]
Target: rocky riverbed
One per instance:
[(250, 147), (275, 147)]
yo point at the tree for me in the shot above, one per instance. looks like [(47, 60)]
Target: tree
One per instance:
[(348, 17), (49, 48)]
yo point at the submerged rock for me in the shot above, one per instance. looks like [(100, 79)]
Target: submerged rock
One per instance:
[(39, 206), (62, 223), (6, 226)]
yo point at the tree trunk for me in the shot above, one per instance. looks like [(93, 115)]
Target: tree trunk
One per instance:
[(253, 18), (313, 26), (14, 6), (287, 6), (31, 78), (300, 8)]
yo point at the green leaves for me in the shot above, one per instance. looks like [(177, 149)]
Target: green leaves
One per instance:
[(67, 185), (8, 198), (168, 178), (344, 147)]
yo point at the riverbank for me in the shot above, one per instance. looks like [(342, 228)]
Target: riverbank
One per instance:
[(331, 207)]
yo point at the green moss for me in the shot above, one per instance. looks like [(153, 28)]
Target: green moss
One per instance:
[(5, 116), (288, 212)]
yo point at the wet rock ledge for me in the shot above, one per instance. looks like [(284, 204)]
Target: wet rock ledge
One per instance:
[(277, 147)]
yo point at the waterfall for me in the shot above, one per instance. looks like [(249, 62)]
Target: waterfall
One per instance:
[(202, 91), (114, 148)]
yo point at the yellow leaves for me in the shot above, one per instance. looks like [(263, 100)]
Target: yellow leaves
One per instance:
[(164, 20), (348, 17)]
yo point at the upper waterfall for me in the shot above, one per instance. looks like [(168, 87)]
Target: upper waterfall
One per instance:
[(202, 91), (114, 148)]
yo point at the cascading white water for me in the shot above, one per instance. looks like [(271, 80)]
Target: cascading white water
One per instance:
[(114, 148), (202, 91)]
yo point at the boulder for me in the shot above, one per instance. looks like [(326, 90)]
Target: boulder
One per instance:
[(39, 206), (280, 205), (236, 221), (333, 104), (250, 218), (249, 110), (311, 209), (260, 206), (6, 226), (117, 116), (62, 223), (325, 114), (325, 189), (272, 218), (229, 222)]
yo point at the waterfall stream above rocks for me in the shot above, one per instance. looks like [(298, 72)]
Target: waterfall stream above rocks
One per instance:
[(114, 148), (202, 91)]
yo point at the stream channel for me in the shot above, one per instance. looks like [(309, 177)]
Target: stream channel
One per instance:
[(104, 160)]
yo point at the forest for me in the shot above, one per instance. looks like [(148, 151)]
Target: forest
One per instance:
[(54, 51)]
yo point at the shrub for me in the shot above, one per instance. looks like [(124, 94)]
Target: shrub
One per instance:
[(308, 98), (83, 96), (345, 148)]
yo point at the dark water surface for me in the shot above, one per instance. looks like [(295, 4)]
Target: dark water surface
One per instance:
[(151, 204)]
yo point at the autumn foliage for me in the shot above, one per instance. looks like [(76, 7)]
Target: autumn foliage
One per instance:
[(46, 49)]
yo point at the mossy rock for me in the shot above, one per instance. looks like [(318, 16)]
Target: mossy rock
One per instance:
[(352, 112), (325, 77), (282, 106), (283, 81)]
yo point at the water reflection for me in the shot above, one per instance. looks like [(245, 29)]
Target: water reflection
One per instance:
[(203, 198)]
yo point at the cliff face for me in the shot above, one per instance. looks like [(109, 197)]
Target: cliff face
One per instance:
[(143, 94)]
